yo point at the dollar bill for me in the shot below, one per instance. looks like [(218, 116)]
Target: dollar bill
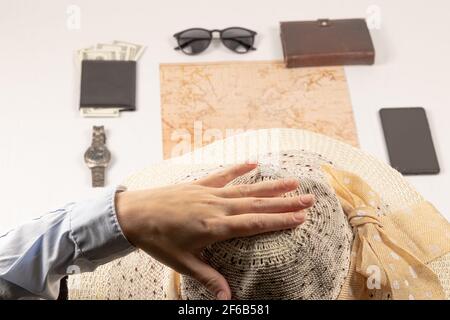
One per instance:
[(122, 52), (118, 50), (94, 54), (136, 49), (100, 112)]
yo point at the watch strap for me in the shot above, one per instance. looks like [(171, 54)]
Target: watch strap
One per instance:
[(98, 136), (98, 176)]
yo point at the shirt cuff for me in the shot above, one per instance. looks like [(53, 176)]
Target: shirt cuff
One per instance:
[(96, 230)]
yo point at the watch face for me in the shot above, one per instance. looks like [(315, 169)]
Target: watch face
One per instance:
[(97, 156)]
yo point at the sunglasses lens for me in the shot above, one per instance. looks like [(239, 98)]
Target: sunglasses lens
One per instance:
[(238, 40), (194, 41)]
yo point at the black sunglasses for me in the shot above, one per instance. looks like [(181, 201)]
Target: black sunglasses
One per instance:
[(196, 40)]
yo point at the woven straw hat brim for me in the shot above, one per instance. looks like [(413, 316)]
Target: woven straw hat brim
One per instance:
[(394, 190), (389, 183)]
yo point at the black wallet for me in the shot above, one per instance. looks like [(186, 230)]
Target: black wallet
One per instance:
[(108, 84)]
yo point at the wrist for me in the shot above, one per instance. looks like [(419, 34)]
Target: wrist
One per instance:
[(125, 214)]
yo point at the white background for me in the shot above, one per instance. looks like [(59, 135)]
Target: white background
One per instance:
[(43, 138)]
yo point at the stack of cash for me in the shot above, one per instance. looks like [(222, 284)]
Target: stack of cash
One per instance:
[(117, 50)]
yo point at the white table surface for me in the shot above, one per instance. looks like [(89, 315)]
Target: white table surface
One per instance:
[(43, 138)]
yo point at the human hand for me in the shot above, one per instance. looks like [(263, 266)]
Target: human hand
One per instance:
[(174, 224)]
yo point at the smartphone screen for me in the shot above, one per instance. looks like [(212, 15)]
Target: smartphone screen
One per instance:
[(408, 139)]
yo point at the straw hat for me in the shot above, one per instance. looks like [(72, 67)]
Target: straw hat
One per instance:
[(138, 276)]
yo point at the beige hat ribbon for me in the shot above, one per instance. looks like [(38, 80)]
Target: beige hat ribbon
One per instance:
[(390, 252)]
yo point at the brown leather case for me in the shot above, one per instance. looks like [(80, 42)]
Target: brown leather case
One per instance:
[(326, 42)]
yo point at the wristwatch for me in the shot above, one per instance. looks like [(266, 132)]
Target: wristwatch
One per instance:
[(97, 156)]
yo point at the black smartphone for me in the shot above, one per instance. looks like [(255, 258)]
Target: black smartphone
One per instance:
[(408, 139)]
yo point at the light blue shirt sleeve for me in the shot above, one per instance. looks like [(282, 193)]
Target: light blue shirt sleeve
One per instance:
[(78, 237)]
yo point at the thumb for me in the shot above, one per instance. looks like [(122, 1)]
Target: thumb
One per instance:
[(210, 278)]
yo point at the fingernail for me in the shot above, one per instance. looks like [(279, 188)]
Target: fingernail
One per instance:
[(307, 199), (291, 181), (299, 216), (221, 295)]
